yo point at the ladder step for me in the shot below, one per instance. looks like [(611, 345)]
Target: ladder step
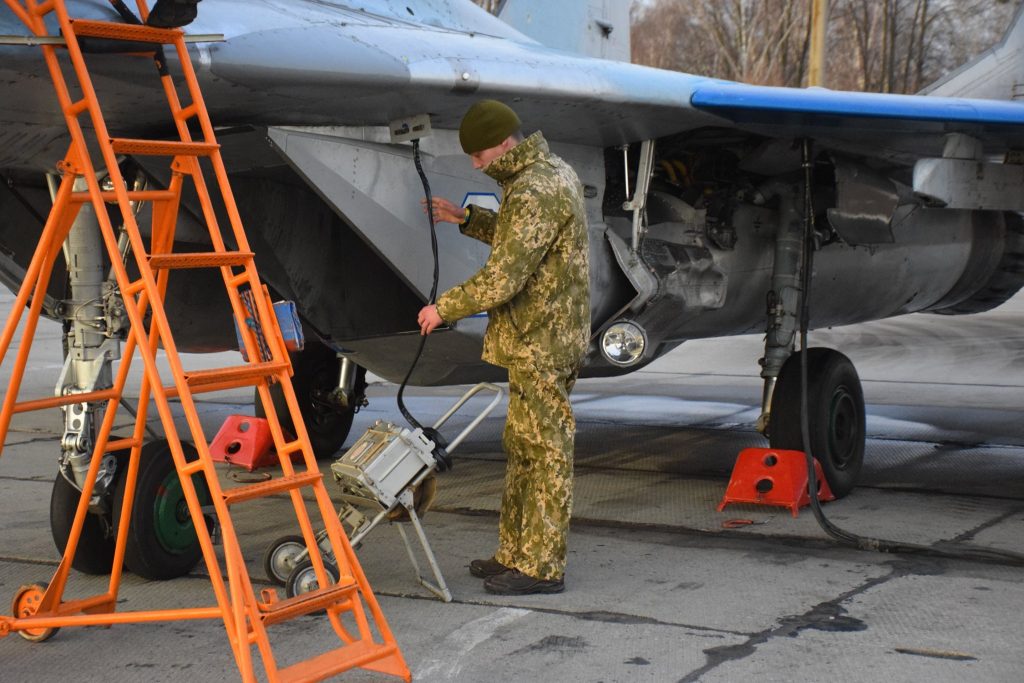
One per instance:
[(263, 489), (133, 195), (162, 148), (136, 33), (240, 375), (201, 259), (335, 661), (304, 603)]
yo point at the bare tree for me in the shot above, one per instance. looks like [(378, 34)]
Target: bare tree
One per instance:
[(756, 41), (875, 45)]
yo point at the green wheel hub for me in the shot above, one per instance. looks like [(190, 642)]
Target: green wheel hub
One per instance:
[(172, 522)]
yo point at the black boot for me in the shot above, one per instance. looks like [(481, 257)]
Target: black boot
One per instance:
[(515, 582), (482, 569)]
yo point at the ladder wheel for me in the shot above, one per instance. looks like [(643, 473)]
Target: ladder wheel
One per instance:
[(162, 542), (282, 557), (26, 604), (95, 552), (316, 377), (303, 578)]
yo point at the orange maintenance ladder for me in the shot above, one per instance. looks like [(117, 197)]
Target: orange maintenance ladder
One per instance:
[(40, 610)]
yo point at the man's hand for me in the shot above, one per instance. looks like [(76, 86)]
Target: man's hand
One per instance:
[(445, 211), (428, 319)]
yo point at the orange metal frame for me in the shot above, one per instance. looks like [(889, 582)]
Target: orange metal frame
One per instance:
[(39, 610)]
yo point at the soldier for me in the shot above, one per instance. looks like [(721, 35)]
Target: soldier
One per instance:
[(535, 288)]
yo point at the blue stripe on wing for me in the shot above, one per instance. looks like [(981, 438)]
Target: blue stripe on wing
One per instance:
[(743, 101)]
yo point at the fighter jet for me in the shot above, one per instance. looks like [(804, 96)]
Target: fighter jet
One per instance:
[(715, 208)]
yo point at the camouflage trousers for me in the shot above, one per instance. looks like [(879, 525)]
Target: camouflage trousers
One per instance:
[(537, 502)]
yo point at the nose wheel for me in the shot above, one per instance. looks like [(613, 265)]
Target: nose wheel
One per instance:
[(94, 553)]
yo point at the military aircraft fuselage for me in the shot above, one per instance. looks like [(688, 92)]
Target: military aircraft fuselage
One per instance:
[(303, 92)]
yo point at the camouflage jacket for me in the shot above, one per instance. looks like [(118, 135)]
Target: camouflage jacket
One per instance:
[(535, 284)]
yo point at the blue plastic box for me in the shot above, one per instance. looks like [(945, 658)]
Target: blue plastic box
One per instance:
[(291, 328)]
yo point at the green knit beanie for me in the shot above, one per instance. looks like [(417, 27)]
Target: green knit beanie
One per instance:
[(486, 125)]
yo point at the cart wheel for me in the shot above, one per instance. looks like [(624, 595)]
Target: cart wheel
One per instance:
[(282, 556), (25, 604), (303, 578)]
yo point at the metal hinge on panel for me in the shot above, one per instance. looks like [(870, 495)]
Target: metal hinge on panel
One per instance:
[(638, 202)]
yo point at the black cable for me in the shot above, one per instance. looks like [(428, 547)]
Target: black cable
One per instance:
[(158, 50), (956, 551), (440, 454)]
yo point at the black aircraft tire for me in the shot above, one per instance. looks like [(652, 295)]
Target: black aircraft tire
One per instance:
[(95, 552), (162, 542), (316, 376), (835, 404)]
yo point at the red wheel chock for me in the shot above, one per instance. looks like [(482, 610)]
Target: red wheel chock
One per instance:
[(244, 441), (769, 476)]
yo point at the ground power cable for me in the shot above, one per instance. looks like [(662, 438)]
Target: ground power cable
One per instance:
[(953, 551), (444, 461)]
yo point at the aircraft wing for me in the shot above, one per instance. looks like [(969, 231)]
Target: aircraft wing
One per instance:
[(901, 125), (388, 71), (313, 63)]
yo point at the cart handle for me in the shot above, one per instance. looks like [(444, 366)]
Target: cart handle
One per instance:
[(498, 395)]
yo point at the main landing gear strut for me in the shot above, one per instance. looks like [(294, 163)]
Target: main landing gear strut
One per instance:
[(835, 399)]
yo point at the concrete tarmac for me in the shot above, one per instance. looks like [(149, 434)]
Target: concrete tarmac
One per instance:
[(657, 589)]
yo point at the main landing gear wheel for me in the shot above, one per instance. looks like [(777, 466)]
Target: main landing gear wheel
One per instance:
[(303, 578), (94, 553), (316, 377), (835, 406), (26, 604), (162, 541), (280, 559)]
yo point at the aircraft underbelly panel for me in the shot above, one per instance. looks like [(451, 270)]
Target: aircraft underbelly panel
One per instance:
[(370, 185), (851, 284)]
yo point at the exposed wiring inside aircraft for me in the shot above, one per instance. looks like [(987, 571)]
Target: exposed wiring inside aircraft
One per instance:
[(444, 461), (952, 551)]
